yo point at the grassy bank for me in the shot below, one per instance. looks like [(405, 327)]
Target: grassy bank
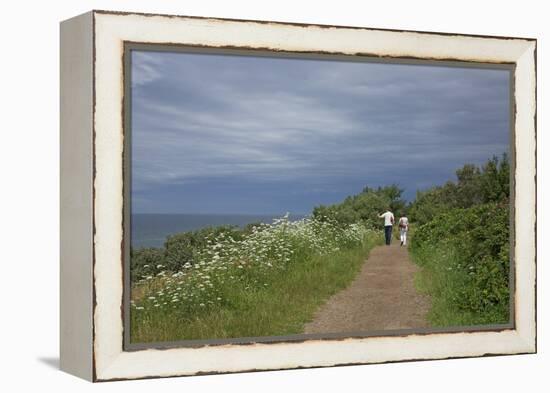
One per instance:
[(269, 282), (464, 260)]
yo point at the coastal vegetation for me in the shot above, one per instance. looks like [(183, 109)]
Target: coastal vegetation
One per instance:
[(269, 279), (265, 280), (462, 244)]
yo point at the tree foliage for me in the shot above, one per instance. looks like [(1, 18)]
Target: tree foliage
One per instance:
[(473, 186), (365, 206)]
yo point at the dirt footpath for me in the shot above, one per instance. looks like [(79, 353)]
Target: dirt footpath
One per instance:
[(381, 297)]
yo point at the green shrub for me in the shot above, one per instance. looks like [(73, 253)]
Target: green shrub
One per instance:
[(464, 255), (145, 261), (364, 207), (182, 248), (179, 249)]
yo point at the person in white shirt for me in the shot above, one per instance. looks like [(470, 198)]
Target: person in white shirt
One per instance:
[(403, 229), (388, 225)]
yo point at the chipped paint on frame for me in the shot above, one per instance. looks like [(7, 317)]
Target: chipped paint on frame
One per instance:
[(111, 361)]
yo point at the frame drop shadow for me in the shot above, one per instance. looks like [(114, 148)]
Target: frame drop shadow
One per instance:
[(50, 361)]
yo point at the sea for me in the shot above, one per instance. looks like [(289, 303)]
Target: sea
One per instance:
[(151, 230)]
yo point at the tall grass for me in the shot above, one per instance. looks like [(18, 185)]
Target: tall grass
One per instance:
[(268, 283), (446, 283)]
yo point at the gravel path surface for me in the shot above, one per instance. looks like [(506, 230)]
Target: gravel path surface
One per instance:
[(382, 297)]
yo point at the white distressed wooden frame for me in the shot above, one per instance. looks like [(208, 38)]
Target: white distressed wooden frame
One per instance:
[(92, 194)]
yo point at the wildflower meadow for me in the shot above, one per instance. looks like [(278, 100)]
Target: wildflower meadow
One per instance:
[(267, 281)]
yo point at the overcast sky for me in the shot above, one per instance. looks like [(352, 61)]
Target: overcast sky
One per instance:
[(236, 134)]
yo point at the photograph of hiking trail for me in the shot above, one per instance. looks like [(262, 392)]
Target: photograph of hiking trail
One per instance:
[(278, 195)]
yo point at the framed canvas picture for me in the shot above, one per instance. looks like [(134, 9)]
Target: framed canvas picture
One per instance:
[(246, 195)]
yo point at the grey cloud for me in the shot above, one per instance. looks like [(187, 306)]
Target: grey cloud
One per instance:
[(305, 122)]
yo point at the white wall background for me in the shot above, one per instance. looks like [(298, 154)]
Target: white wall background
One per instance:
[(29, 206)]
